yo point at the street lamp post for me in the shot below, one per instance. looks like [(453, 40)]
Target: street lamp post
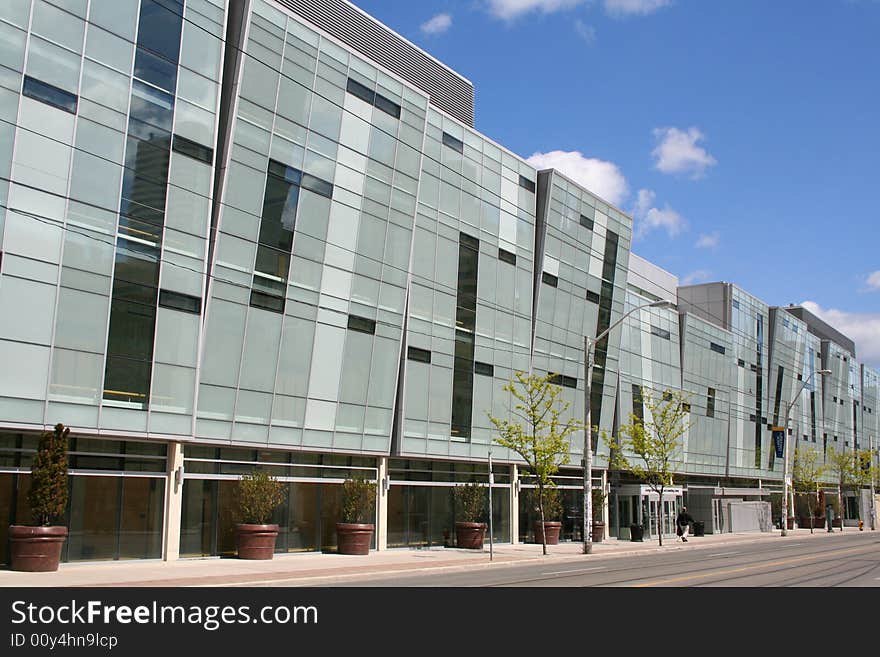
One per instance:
[(784, 521), (589, 347)]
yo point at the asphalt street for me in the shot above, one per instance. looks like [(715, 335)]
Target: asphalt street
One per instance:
[(848, 560)]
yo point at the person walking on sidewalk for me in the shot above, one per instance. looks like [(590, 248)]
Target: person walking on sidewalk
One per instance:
[(682, 524)]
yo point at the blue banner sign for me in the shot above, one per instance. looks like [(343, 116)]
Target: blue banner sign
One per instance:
[(779, 441)]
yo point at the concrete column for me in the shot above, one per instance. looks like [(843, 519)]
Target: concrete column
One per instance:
[(173, 501), (514, 504), (382, 504)]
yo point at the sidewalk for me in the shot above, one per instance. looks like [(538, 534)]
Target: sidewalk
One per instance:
[(322, 569)]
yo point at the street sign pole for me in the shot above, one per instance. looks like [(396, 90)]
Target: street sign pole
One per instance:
[(491, 481)]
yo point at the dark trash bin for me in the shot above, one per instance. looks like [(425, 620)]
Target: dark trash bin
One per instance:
[(699, 528), (636, 533)]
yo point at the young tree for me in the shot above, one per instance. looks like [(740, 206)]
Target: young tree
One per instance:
[(537, 434), (853, 470), (648, 447), (806, 474)]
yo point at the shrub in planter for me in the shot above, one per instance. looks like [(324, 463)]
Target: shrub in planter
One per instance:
[(37, 548), (552, 525), (355, 531), (259, 494), (598, 528), (470, 510)]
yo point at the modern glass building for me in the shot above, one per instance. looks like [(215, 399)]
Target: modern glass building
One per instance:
[(241, 234)]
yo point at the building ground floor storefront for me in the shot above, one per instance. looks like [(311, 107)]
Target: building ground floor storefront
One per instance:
[(137, 499)]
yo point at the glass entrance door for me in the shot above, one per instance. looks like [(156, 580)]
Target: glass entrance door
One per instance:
[(717, 517)]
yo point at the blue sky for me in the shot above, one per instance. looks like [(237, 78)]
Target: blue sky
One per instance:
[(742, 135)]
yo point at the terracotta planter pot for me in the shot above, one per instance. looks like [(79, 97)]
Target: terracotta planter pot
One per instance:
[(818, 523), (35, 549), (551, 530), (354, 537), (469, 535), (256, 541), (598, 532)]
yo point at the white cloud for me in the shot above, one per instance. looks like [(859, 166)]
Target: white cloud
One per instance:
[(510, 9), (438, 24), (864, 328), (600, 177), (585, 32), (677, 152), (709, 241), (699, 276), (874, 281), (620, 8), (647, 217)]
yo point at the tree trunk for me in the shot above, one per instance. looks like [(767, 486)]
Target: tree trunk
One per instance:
[(810, 511), (659, 517), (541, 511)]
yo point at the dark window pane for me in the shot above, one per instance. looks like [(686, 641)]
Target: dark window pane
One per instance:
[(267, 301), (506, 256), (317, 185), (192, 149), (710, 403), (178, 301), (463, 384), (357, 89), (453, 143), (388, 106), (46, 93), (136, 272), (638, 404), (272, 262), (155, 69), (586, 222), (550, 279), (420, 355), (153, 107), (279, 212), (659, 332), (592, 296), (159, 27), (127, 379), (466, 299), (717, 347), (362, 324), (484, 369), (525, 183)]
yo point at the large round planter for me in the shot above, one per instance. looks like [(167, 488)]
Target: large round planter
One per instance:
[(256, 541), (598, 532), (354, 537), (636, 533), (469, 535), (818, 523), (35, 549), (550, 530)]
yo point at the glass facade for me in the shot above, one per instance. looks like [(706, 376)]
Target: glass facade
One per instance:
[(248, 237), (116, 502)]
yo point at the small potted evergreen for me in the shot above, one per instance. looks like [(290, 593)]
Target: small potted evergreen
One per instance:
[(355, 532), (470, 509), (259, 494), (598, 529), (37, 548), (552, 526)]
